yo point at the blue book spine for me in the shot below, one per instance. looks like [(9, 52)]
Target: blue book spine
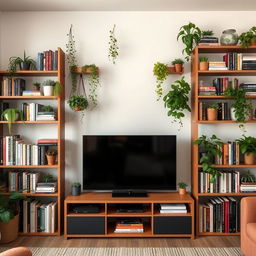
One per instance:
[(39, 61)]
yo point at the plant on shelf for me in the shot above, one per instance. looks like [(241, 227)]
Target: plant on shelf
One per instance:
[(190, 35), (178, 64), (207, 33), (113, 48), (93, 75), (76, 189), (212, 111), (23, 64), (51, 88), (203, 63), (248, 177), (51, 155), (47, 178), (248, 38), (209, 148), (47, 108), (78, 102), (182, 188), (36, 86), (247, 146), (161, 72), (9, 216), (176, 100), (11, 115)]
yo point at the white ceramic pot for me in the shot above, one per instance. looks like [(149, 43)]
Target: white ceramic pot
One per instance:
[(48, 90), (16, 117), (233, 116)]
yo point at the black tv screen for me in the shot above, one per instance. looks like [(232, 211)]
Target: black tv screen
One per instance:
[(129, 162)]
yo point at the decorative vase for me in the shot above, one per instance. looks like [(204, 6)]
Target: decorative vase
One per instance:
[(9, 231), (178, 68), (203, 66), (212, 114), (51, 160), (48, 90), (76, 190), (249, 158), (182, 191), (229, 37)]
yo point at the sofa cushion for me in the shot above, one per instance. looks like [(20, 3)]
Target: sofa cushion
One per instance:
[(251, 231)]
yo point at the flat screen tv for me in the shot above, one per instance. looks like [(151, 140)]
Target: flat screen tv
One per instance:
[(127, 163)]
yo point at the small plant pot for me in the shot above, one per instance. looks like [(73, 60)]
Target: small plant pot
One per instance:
[(9, 231), (36, 88), (249, 158), (24, 66), (77, 108), (171, 69), (212, 114), (51, 160), (253, 42), (76, 190), (178, 68), (233, 115), (48, 90), (16, 117), (182, 191), (203, 66)]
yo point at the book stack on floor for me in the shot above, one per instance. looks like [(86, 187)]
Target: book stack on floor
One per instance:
[(220, 214), (209, 41), (248, 187), (250, 88), (129, 226), (36, 216), (217, 65), (47, 60), (173, 208), (249, 62), (13, 86), (46, 187)]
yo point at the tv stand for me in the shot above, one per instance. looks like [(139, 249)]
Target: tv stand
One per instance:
[(130, 193)]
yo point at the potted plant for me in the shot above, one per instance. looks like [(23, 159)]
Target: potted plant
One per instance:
[(176, 100), (178, 65), (248, 148), (248, 38), (11, 115), (47, 108), (203, 63), (182, 188), (9, 216), (190, 35), (46, 178), (51, 88), (76, 189), (78, 102), (51, 156), (24, 64), (161, 72), (209, 148), (248, 178), (212, 112), (36, 86), (207, 33)]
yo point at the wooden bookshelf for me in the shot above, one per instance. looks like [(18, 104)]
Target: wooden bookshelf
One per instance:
[(196, 74), (59, 168)]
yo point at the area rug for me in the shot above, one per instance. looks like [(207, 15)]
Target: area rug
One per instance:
[(231, 251)]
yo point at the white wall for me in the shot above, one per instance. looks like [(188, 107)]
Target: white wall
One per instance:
[(127, 101)]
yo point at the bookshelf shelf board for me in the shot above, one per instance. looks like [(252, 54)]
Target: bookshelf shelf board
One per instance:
[(227, 72), (39, 234), (29, 97), (221, 97), (35, 194), (31, 73), (31, 122), (224, 49), (218, 234), (227, 194), (30, 166), (233, 166), (223, 122)]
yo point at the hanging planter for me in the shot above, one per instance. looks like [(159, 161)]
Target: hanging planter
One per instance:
[(78, 102)]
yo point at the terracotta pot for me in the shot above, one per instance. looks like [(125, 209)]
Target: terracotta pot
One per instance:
[(249, 158), (178, 68), (9, 231), (253, 43), (182, 191), (171, 69), (77, 109), (51, 160), (212, 114), (204, 66), (36, 88)]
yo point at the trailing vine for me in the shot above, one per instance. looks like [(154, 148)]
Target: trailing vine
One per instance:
[(113, 48)]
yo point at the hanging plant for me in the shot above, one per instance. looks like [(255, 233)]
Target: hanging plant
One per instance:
[(161, 72), (11, 115), (78, 102), (176, 100), (113, 48), (93, 80)]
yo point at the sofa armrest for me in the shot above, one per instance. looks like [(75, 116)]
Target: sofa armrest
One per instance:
[(248, 210)]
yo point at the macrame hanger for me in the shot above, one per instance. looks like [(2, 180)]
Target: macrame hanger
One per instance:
[(80, 90)]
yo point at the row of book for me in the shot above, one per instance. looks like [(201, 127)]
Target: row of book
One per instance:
[(47, 60), (249, 62), (36, 216), (27, 182), (35, 112), (227, 182), (129, 226), (234, 60), (250, 88), (220, 214), (173, 208), (13, 151), (12, 86)]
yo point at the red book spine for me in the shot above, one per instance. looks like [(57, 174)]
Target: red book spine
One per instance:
[(226, 217), (50, 60), (47, 61)]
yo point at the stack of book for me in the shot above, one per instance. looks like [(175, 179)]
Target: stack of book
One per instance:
[(13, 87), (250, 88), (46, 187), (31, 93), (233, 60), (209, 40), (249, 62), (220, 214), (25, 181), (38, 217), (223, 83), (129, 226), (227, 182), (248, 187), (173, 208), (207, 90), (47, 60), (217, 65)]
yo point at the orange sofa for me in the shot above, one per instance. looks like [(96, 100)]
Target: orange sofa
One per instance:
[(248, 226), (19, 251)]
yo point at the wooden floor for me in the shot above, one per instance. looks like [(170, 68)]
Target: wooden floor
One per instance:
[(124, 242)]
